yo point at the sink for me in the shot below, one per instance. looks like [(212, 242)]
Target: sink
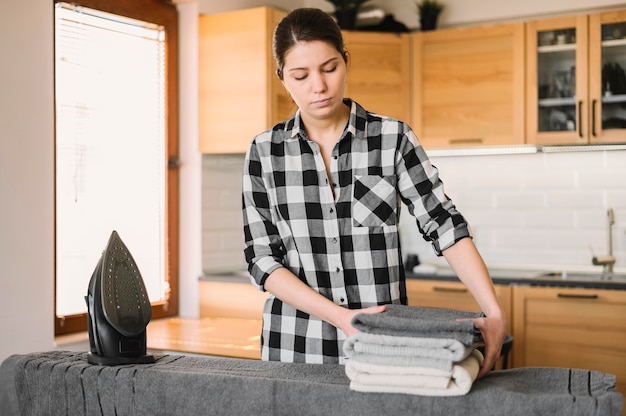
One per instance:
[(573, 275)]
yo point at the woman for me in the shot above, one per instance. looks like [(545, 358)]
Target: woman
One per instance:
[(321, 198)]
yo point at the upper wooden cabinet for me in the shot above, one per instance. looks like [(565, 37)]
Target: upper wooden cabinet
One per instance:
[(468, 86), (557, 87), (379, 72), (240, 94), (575, 94), (607, 66)]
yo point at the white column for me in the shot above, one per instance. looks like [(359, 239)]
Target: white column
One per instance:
[(191, 161)]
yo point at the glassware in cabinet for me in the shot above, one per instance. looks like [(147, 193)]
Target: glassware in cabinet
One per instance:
[(607, 62)]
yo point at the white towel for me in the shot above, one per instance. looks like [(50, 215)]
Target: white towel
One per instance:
[(366, 377), (375, 374)]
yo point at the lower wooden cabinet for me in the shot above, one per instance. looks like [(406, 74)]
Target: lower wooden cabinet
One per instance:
[(570, 327), (452, 295)]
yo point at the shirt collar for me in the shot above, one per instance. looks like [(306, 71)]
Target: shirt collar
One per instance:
[(357, 122)]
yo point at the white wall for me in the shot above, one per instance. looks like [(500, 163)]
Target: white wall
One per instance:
[(460, 12), (26, 156), (530, 210), (26, 177), (455, 13), (191, 163), (545, 210)]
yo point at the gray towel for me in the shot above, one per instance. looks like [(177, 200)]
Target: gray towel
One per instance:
[(63, 383), (438, 353), (413, 321)]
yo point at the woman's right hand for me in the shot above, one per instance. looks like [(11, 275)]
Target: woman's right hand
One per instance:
[(345, 321)]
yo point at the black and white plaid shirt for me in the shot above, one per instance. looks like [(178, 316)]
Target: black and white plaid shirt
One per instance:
[(345, 246)]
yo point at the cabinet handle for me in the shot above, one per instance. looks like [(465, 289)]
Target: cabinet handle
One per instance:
[(576, 296), (469, 140), (580, 119), (449, 289), (593, 117)]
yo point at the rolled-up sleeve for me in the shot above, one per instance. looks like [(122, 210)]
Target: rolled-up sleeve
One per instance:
[(422, 191), (263, 250)]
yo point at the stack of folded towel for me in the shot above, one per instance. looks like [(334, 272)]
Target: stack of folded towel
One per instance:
[(413, 350)]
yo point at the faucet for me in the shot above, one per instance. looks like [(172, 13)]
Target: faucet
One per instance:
[(607, 261)]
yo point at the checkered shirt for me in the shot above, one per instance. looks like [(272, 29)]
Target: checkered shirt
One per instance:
[(345, 246)]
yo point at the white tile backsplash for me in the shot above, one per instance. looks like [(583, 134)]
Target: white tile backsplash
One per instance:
[(543, 210), (222, 222)]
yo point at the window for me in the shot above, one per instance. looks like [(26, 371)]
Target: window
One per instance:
[(116, 131)]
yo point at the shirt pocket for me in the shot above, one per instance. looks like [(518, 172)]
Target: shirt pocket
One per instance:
[(374, 201)]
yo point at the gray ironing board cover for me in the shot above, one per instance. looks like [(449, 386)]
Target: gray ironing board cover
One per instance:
[(64, 383)]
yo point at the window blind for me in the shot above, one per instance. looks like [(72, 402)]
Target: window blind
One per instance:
[(110, 148)]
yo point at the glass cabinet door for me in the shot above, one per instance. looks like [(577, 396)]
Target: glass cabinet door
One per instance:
[(557, 81), (607, 40)]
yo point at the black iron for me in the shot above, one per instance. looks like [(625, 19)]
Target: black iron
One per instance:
[(118, 308)]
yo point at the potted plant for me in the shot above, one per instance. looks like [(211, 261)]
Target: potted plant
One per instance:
[(345, 12), (429, 11)]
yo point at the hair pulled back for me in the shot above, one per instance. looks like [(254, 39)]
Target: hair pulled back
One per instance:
[(305, 25)]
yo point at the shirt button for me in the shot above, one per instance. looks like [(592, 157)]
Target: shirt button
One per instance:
[(334, 240), (335, 157), (342, 300), (338, 270), (332, 210)]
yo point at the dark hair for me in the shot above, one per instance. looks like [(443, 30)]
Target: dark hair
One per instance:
[(305, 24)]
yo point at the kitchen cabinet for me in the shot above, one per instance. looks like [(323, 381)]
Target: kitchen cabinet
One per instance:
[(468, 86), (241, 96), (451, 295), (576, 87), (607, 80), (379, 72), (239, 92), (454, 295), (570, 327)]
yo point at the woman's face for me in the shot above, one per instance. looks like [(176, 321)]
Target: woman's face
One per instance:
[(314, 73)]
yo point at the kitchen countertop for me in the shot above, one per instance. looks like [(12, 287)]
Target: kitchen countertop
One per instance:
[(519, 276), (220, 336), (528, 277)]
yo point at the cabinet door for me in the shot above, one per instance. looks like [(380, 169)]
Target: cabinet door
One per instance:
[(451, 295), (557, 97), (238, 95), (379, 72), (607, 77), (468, 86), (568, 327)]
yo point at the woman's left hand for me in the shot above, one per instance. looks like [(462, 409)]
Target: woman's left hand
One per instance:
[(493, 329)]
